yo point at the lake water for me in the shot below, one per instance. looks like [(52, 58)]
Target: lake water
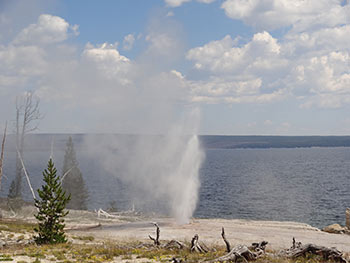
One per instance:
[(310, 185)]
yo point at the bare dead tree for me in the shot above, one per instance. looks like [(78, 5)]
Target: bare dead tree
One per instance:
[(27, 120), (2, 153), (156, 239)]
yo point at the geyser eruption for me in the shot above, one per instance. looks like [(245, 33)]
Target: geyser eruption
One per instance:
[(187, 185), (158, 169), (161, 172)]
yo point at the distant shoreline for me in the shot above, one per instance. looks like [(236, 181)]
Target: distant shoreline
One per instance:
[(44, 141)]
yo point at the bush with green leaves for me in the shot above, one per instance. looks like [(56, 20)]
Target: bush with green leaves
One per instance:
[(51, 208)]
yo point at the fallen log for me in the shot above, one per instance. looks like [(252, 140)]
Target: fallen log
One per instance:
[(299, 250), (238, 252)]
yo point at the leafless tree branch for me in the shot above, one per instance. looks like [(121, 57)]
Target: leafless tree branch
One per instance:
[(2, 153)]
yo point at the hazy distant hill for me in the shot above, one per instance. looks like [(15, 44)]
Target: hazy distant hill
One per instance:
[(36, 142), (231, 142)]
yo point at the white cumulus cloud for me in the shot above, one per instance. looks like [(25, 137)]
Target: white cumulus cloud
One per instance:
[(49, 29), (300, 14)]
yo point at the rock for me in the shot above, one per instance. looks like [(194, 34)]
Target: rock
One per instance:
[(347, 217), (335, 229)]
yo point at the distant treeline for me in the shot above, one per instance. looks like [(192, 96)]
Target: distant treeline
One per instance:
[(37, 142), (234, 142)]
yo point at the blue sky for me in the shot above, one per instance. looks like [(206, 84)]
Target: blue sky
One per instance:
[(271, 67)]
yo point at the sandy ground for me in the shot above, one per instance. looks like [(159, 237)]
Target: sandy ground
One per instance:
[(278, 234)]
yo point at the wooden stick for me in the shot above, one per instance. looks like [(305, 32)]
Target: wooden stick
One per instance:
[(2, 153), (228, 246), (26, 174)]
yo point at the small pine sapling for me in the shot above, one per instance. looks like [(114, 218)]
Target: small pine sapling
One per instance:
[(51, 209)]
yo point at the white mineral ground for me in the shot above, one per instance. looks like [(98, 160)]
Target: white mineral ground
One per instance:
[(278, 234), (128, 227)]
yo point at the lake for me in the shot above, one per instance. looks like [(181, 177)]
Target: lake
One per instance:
[(308, 185)]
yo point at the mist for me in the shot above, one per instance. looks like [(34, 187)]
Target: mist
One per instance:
[(96, 89), (161, 163)]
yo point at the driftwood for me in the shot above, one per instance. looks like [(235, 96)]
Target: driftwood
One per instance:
[(101, 212), (172, 244), (196, 246), (259, 248), (300, 250), (240, 251), (2, 153)]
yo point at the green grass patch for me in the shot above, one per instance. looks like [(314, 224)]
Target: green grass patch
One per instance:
[(84, 238), (16, 226)]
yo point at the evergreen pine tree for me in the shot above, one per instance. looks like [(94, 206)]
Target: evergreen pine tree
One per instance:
[(51, 208), (73, 182)]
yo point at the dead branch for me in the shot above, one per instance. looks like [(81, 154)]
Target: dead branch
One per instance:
[(2, 153), (174, 244), (228, 246), (299, 250), (196, 246), (26, 174), (101, 212), (238, 252), (66, 173), (156, 240), (259, 248)]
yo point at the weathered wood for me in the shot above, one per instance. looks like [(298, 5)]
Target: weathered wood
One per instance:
[(196, 246), (238, 252), (26, 174), (2, 153), (174, 244), (156, 239), (259, 248), (347, 218), (228, 246), (299, 250)]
